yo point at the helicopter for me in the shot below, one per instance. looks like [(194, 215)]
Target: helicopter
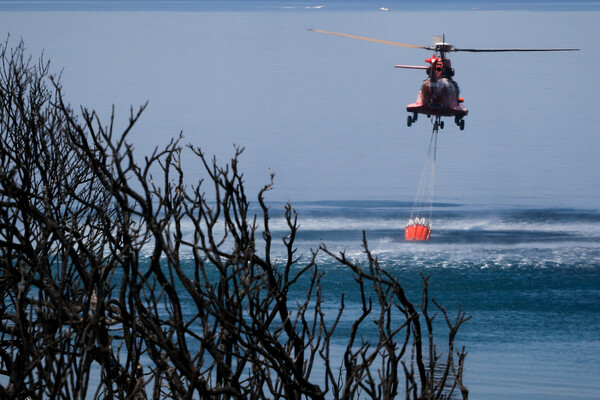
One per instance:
[(439, 95)]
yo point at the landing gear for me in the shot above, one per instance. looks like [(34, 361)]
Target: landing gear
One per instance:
[(410, 120), (437, 121), (460, 122), (437, 124)]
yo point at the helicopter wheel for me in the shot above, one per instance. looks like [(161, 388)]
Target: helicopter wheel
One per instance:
[(461, 124), (441, 124), (409, 121)]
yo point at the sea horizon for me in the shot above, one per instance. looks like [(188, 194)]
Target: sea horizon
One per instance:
[(291, 5)]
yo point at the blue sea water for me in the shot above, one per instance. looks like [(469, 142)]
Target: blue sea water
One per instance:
[(530, 279)]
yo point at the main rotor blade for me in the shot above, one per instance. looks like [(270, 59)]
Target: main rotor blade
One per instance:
[(414, 46), (412, 66), (507, 50)]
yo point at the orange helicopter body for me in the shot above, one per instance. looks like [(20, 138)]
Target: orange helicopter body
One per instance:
[(438, 98), (440, 95)]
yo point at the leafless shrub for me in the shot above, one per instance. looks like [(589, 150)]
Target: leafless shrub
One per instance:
[(98, 275)]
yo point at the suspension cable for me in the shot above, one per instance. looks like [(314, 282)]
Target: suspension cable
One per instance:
[(423, 204)]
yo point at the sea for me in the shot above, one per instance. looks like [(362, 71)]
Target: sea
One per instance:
[(528, 277), (527, 272)]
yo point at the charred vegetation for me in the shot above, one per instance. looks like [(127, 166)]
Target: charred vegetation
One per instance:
[(105, 296)]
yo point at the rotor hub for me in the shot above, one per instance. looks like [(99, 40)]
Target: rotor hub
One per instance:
[(443, 47)]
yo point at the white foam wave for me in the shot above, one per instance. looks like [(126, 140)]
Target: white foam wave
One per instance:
[(492, 224), (339, 223), (386, 238)]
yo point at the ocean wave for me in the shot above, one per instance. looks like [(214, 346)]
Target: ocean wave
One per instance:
[(470, 232), (451, 223)]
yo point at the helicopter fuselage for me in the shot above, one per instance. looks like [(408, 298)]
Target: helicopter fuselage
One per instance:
[(439, 98), (439, 95)]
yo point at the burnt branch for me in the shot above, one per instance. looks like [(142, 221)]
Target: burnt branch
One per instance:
[(120, 278)]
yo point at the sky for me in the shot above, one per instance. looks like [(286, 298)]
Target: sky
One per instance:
[(327, 114)]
